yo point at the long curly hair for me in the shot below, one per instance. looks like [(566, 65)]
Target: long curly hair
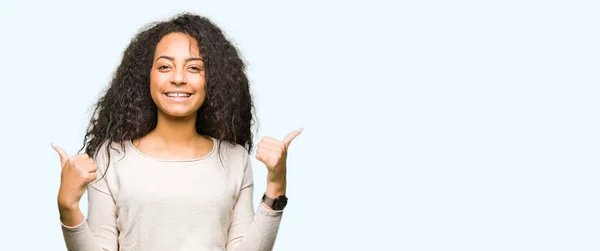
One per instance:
[(126, 110)]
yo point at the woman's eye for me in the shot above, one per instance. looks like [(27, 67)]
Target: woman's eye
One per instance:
[(195, 68), (163, 67)]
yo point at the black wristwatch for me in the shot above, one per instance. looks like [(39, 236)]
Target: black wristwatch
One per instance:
[(278, 203)]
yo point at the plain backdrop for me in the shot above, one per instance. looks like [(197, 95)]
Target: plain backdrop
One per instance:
[(429, 125)]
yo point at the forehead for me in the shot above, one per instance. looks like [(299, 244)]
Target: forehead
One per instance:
[(177, 45)]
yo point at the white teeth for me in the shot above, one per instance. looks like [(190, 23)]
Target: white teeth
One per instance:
[(178, 95)]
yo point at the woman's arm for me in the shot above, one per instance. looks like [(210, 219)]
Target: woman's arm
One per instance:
[(250, 231), (99, 231)]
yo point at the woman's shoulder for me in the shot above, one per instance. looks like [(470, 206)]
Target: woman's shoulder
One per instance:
[(231, 151), (230, 147), (110, 150)]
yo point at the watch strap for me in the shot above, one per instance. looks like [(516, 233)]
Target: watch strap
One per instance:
[(268, 200)]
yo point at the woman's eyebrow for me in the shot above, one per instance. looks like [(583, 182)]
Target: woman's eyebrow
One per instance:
[(173, 59)]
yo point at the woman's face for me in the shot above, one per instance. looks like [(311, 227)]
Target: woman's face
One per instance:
[(177, 78)]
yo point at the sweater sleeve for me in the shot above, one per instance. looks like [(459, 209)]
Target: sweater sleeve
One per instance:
[(250, 231), (99, 231)]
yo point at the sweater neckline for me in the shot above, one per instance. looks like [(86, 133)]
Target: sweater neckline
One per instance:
[(130, 143)]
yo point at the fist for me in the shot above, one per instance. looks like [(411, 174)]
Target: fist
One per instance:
[(77, 172), (273, 153)]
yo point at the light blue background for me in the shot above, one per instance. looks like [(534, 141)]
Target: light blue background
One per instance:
[(429, 125)]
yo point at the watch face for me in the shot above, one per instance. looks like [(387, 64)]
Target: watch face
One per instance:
[(280, 202)]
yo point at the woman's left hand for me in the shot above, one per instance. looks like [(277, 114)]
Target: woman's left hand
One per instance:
[(273, 153)]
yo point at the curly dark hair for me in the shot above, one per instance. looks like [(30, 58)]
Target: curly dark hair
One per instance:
[(126, 110)]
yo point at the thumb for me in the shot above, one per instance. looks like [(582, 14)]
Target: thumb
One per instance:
[(288, 139), (63, 155)]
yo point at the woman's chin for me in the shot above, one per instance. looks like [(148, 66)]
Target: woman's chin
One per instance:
[(179, 113)]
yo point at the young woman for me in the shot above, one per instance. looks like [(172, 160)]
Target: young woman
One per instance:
[(166, 163)]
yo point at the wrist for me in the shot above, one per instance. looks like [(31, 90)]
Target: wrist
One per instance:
[(67, 205), (274, 198), (276, 177), (70, 214), (275, 189)]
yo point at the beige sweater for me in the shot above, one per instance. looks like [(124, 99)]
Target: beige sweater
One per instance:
[(150, 204)]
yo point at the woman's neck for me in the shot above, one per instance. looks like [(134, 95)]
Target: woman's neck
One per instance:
[(175, 131), (174, 138)]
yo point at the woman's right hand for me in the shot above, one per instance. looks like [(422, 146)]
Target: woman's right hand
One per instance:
[(77, 172)]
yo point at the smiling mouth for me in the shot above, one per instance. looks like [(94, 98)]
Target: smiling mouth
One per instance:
[(178, 95)]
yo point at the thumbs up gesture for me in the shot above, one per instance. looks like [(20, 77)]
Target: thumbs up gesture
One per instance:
[(77, 172), (273, 153)]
